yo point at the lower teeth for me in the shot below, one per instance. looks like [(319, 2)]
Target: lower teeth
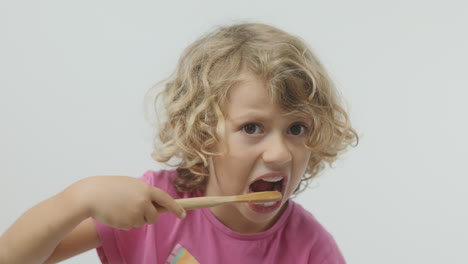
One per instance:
[(266, 204)]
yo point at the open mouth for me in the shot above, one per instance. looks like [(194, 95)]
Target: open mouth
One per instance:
[(268, 183)]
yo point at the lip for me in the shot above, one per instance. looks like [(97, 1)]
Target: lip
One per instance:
[(265, 209), (268, 209)]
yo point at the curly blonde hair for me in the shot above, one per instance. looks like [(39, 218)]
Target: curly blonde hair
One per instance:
[(196, 92)]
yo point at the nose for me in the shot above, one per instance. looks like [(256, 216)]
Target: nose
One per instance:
[(276, 152)]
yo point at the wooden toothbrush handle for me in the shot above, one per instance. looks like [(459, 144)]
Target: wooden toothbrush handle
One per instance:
[(210, 201), (198, 202)]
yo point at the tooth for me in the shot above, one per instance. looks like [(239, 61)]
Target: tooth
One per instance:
[(266, 204), (272, 179)]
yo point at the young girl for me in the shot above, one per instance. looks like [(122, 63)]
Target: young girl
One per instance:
[(249, 109)]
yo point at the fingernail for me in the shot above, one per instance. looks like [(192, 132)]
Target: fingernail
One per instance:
[(183, 215)]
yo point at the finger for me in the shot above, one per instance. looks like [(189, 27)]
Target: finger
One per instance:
[(138, 222), (151, 215), (166, 201)]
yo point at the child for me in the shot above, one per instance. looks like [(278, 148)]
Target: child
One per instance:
[(249, 109)]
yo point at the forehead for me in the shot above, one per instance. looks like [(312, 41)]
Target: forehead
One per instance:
[(250, 91), (251, 96)]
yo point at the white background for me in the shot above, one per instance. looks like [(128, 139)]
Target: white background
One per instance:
[(73, 76)]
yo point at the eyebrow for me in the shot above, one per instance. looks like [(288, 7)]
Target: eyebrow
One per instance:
[(249, 115), (258, 115)]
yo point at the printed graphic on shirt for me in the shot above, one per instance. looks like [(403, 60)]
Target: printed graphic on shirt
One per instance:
[(180, 255)]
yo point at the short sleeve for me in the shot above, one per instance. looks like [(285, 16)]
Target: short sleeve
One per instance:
[(332, 253)]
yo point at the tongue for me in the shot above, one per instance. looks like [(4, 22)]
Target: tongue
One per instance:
[(262, 186)]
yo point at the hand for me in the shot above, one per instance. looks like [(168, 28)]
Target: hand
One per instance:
[(122, 202)]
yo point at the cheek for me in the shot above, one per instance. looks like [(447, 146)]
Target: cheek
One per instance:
[(233, 167), (305, 155), (302, 160), (238, 161), (305, 161), (240, 149)]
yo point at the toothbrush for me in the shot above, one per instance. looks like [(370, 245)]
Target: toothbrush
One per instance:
[(210, 201)]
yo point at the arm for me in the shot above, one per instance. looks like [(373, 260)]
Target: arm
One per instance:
[(83, 238), (34, 236), (44, 228)]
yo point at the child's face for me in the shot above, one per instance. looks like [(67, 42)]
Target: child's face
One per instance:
[(262, 142)]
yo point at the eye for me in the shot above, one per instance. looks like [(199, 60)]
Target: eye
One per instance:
[(252, 129), (297, 129)]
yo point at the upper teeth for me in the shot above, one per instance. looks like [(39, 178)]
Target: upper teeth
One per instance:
[(272, 179)]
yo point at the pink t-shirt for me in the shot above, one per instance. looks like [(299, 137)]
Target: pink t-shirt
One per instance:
[(296, 237)]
